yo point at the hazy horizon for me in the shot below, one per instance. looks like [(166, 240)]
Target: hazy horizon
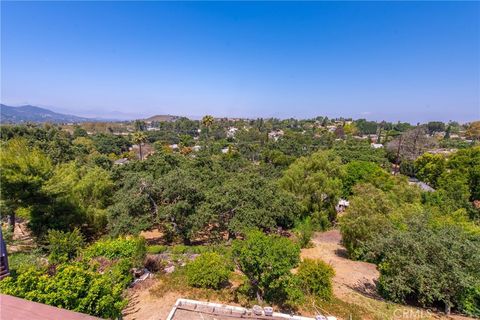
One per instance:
[(412, 61)]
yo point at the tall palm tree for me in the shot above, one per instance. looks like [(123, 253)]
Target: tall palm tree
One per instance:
[(139, 138), (207, 122)]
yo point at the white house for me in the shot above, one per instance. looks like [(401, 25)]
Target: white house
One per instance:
[(275, 135), (231, 132)]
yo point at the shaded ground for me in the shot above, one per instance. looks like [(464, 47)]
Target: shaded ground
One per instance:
[(22, 239)]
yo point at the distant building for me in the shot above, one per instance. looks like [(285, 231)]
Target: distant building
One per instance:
[(147, 150), (121, 161), (231, 132), (342, 205), (443, 151), (275, 135), (422, 185), (331, 128)]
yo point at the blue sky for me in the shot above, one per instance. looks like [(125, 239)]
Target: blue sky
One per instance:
[(409, 61)]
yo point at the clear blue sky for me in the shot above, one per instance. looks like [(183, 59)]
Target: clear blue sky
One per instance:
[(409, 61)]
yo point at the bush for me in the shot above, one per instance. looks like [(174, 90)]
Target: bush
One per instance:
[(154, 263), (131, 248), (315, 277), (209, 270), (73, 287), (304, 230), (286, 291), (64, 246), (265, 259), (19, 262), (470, 302), (155, 249), (429, 265)]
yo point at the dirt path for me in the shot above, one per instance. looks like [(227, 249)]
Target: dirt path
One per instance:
[(355, 281), (349, 275), (144, 306)]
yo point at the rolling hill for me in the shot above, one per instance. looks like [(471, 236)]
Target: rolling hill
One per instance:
[(29, 113)]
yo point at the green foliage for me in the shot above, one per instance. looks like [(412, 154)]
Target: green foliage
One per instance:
[(72, 287), (23, 172), (286, 291), (354, 150), (428, 265), (316, 182), (435, 126), (467, 162), (362, 172), (265, 259), (304, 230), (315, 278), (155, 249), (430, 167), (64, 246), (20, 262), (469, 301), (109, 143), (247, 201), (130, 248), (209, 270), (370, 215), (77, 197)]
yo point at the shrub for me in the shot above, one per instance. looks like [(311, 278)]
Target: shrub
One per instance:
[(132, 248), (430, 265), (304, 230), (155, 249), (209, 270), (154, 263), (286, 291), (19, 262), (73, 287), (264, 259), (315, 277), (64, 246), (470, 301)]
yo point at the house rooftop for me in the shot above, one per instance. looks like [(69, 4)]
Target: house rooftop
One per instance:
[(20, 309)]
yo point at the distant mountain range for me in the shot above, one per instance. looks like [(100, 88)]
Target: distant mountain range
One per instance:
[(29, 113)]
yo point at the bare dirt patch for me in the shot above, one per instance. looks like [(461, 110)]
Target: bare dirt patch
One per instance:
[(142, 305), (349, 275), (355, 281)]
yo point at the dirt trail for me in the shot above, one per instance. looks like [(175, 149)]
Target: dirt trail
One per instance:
[(355, 281), (144, 306), (349, 275)]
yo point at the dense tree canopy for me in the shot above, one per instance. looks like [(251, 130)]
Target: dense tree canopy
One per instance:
[(79, 187)]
